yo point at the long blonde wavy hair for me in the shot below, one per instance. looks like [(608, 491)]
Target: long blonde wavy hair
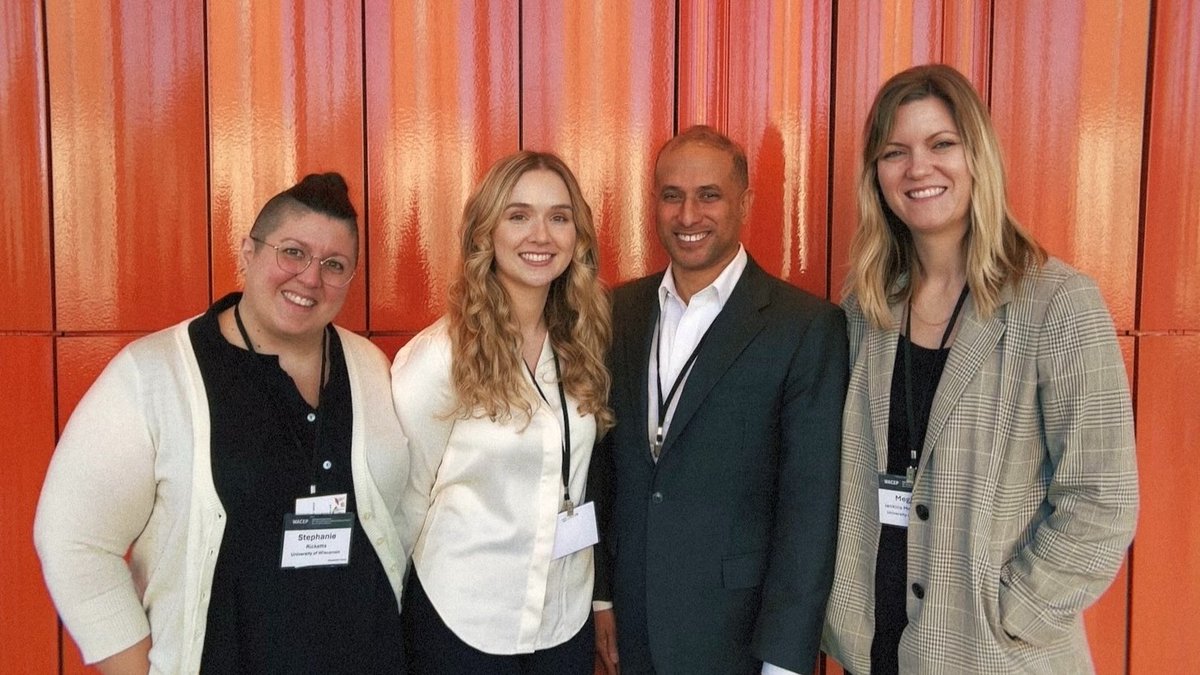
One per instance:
[(882, 257), (485, 339)]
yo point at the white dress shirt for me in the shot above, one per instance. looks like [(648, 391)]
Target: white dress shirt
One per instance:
[(484, 498), (681, 325)]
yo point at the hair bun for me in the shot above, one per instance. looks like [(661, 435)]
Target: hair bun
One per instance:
[(325, 193)]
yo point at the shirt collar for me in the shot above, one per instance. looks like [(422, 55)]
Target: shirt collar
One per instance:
[(722, 286)]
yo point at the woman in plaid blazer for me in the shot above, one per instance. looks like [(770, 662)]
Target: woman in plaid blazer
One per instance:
[(988, 487)]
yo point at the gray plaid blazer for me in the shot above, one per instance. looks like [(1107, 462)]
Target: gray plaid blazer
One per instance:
[(1027, 477)]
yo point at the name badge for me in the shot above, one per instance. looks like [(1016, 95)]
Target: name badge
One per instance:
[(576, 530), (325, 504), (895, 499), (321, 540)]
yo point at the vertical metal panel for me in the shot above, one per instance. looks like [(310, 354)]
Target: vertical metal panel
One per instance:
[(286, 99), (966, 40), (442, 105), (761, 72), (129, 178), (1171, 299), (1166, 568), (1106, 621), (1106, 625), (876, 41), (1068, 86), (28, 624), (605, 111), (703, 63), (25, 171)]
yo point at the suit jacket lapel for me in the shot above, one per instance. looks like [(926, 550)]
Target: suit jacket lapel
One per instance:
[(737, 324), (637, 356), (976, 340), (881, 359)]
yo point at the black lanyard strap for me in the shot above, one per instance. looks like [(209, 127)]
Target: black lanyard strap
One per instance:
[(316, 450), (913, 441), (665, 403), (568, 505)]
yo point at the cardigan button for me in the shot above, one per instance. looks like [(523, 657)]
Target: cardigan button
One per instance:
[(922, 512), (919, 591), (657, 497)]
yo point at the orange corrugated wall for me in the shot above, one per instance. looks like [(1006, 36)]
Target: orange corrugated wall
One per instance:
[(138, 139)]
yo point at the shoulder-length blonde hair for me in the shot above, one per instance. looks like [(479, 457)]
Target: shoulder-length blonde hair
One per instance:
[(484, 336), (997, 247)]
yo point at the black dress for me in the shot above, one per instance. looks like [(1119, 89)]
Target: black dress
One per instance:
[(268, 447)]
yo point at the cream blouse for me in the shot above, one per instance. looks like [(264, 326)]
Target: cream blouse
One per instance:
[(483, 499)]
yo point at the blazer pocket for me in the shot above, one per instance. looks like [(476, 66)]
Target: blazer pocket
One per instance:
[(743, 571)]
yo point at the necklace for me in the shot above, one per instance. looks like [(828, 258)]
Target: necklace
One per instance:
[(912, 310)]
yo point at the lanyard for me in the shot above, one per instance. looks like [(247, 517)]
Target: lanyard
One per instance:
[(312, 488), (568, 505), (911, 472), (665, 403)]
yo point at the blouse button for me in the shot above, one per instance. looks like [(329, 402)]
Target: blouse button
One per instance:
[(922, 512), (919, 591)]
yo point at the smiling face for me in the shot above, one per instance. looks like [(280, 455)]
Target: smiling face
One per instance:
[(534, 241), (923, 171), (291, 307), (700, 208)]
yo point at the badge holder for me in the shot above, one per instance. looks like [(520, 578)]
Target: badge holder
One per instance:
[(318, 534), (895, 499)]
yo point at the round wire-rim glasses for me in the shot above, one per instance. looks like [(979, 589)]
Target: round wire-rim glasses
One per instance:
[(335, 270)]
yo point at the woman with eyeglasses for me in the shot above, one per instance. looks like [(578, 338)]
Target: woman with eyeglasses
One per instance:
[(225, 496), (501, 402)]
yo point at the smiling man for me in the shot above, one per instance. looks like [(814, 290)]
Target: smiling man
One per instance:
[(718, 488)]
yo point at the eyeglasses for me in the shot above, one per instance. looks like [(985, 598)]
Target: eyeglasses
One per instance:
[(336, 270)]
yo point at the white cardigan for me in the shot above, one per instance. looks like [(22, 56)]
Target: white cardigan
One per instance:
[(483, 498), (133, 468)]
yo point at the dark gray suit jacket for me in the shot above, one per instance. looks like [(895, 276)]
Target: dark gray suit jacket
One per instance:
[(720, 555)]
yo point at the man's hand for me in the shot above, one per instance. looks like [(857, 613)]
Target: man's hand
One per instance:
[(606, 642)]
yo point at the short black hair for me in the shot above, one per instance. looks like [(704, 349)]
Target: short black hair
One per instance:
[(324, 193), (702, 134)]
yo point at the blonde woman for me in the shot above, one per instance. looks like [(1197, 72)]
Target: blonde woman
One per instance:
[(502, 400), (988, 482)]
